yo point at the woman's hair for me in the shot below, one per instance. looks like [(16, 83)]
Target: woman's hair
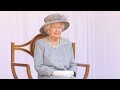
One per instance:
[(46, 28)]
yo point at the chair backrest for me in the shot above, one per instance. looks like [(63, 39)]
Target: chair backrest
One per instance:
[(30, 52), (33, 41)]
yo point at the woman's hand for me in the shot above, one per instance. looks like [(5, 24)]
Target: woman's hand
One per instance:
[(65, 73)]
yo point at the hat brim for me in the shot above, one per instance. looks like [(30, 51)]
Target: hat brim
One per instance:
[(62, 21)]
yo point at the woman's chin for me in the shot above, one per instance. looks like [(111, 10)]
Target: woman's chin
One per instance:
[(57, 36)]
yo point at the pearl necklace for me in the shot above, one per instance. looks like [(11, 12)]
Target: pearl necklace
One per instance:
[(54, 45)]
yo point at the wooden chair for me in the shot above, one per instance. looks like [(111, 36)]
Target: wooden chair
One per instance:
[(31, 52)]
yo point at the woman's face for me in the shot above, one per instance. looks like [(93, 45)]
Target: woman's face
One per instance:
[(55, 30)]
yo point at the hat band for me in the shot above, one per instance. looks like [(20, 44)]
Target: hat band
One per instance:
[(54, 19)]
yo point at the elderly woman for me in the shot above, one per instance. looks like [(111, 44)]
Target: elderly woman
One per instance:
[(53, 55)]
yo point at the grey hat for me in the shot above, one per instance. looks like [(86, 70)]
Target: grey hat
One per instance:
[(52, 19)]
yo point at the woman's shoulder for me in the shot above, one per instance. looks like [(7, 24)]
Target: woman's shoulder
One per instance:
[(41, 40), (64, 40)]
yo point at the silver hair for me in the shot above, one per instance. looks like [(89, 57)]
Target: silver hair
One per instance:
[(46, 28)]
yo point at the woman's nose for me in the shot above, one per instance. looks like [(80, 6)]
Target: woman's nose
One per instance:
[(57, 29)]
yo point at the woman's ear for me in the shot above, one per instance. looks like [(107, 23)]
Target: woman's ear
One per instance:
[(48, 32)]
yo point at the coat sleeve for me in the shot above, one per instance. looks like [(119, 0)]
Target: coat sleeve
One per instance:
[(73, 66), (38, 60)]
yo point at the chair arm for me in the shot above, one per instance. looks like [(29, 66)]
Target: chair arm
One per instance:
[(24, 65), (87, 69)]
